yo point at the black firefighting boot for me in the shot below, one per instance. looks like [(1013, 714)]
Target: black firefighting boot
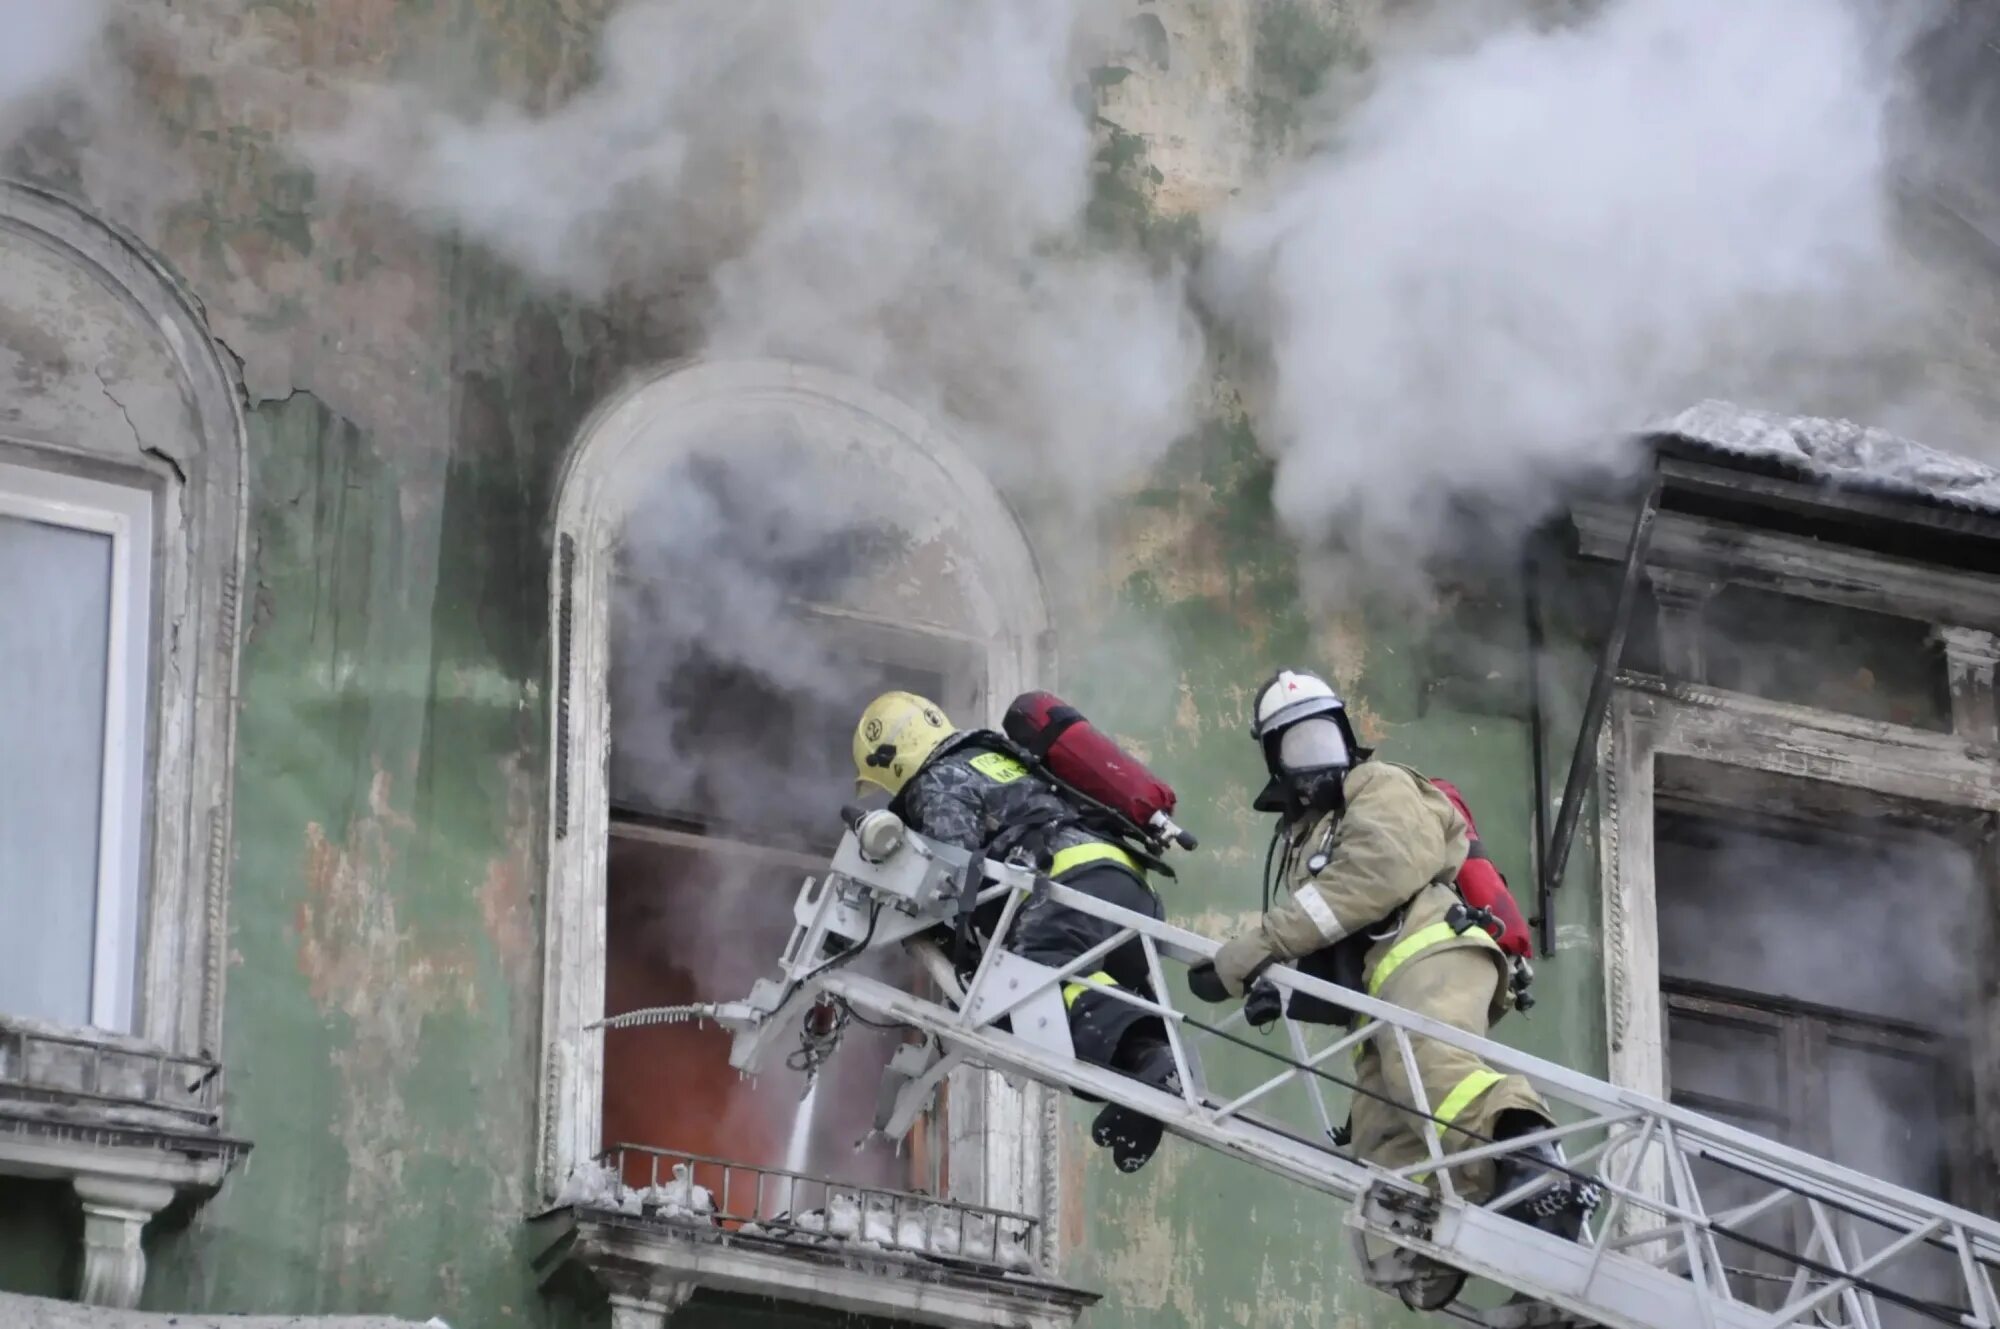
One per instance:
[(1131, 1137), (1558, 1208)]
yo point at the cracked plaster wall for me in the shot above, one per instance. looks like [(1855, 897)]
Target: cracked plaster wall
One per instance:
[(409, 403)]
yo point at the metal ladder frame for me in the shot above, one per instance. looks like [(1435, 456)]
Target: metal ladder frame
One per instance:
[(1651, 1259)]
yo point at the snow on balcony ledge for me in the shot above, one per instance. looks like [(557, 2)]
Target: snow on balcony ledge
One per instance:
[(857, 1250)]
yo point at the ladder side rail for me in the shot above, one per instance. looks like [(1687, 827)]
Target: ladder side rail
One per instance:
[(1485, 1244), (1651, 1298), (1899, 1210), (1914, 1216), (1880, 1203), (1612, 1290), (1892, 1205), (1319, 1167)]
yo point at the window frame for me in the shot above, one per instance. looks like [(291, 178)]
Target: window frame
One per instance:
[(1804, 1032), (1005, 1138), (162, 416), (1652, 719), (188, 449), (124, 514)]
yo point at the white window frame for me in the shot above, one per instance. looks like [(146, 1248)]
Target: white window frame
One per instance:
[(1005, 1139), (166, 421), (124, 514)]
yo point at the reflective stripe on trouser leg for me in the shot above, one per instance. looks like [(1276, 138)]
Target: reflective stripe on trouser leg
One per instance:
[(1071, 991), (1459, 1099), (1453, 986), (1050, 934)]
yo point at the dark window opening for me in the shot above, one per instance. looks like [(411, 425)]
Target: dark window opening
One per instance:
[(715, 827), (1816, 967), (729, 751), (763, 596), (670, 1086)]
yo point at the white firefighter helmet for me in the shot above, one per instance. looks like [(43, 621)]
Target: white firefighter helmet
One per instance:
[(896, 735), (1291, 696), (1296, 752)]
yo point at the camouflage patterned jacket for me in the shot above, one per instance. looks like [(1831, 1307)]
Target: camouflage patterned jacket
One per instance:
[(974, 794)]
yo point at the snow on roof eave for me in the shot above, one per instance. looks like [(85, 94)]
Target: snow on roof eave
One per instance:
[(1837, 451)]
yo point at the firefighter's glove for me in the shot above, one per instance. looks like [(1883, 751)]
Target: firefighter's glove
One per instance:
[(1203, 982), (1264, 1004), (1240, 960)]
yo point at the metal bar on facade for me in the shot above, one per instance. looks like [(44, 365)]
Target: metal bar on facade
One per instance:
[(1583, 759), (1544, 921)]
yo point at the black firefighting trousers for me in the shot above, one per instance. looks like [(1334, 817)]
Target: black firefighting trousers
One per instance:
[(1052, 935)]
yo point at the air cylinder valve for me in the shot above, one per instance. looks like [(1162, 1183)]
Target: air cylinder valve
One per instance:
[(879, 834)]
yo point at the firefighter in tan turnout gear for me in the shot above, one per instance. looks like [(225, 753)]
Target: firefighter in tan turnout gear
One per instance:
[(1367, 853)]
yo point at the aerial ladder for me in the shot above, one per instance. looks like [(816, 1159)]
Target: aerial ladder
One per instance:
[(1833, 1247)]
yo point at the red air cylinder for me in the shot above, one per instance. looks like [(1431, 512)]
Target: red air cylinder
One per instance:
[(1084, 758), (1481, 886)]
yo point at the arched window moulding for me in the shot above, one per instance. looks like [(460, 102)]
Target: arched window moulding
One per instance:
[(1002, 1150), (121, 391)]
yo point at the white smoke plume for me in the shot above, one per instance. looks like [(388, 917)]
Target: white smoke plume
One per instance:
[(1521, 247), (44, 44), (895, 190)]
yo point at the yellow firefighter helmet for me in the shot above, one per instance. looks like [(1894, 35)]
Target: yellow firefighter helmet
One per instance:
[(898, 731)]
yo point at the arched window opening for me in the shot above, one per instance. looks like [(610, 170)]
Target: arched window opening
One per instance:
[(746, 553), (765, 588)]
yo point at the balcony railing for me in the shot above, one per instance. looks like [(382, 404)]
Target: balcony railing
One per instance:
[(41, 1064), (755, 1201)]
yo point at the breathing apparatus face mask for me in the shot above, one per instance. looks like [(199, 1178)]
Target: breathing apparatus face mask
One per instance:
[(1313, 746), (1312, 758)]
